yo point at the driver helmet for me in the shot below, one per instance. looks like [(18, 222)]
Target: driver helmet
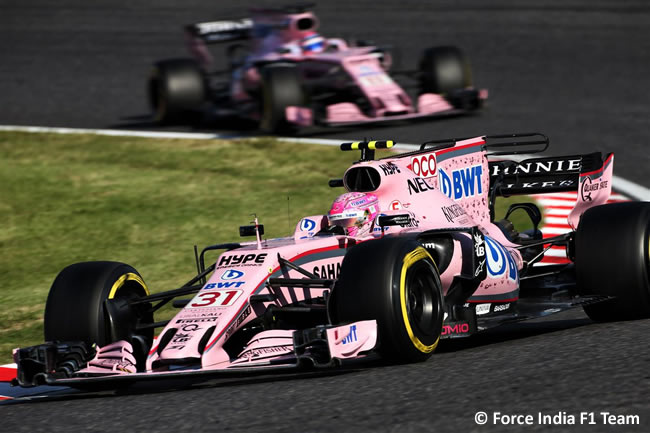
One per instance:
[(355, 212), (313, 43)]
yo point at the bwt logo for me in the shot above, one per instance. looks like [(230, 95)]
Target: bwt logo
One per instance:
[(499, 260), (220, 285), (352, 336), (232, 274), (464, 182), (307, 225)]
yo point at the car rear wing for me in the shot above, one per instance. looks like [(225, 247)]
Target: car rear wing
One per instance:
[(542, 175), (503, 144), (221, 31)]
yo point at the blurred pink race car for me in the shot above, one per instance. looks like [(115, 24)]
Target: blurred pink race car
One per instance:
[(284, 75), (410, 254)]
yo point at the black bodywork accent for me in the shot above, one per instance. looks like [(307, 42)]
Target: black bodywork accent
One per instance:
[(54, 360), (472, 273), (362, 179), (221, 31), (251, 230), (402, 220)]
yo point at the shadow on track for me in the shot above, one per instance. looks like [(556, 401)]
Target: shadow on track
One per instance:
[(238, 127), (511, 332), (502, 334), (178, 384)]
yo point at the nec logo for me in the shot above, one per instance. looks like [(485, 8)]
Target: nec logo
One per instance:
[(418, 185), (464, 182)]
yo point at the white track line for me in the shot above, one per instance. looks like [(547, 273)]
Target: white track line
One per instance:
[(119, 133)]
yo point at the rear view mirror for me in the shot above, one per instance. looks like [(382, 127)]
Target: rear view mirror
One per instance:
[(250, 230)]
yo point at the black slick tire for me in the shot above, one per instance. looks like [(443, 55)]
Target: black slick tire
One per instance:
[(611, 258), (444, 70), (76, 309), (394, 281), (281, 88), (176, 88)]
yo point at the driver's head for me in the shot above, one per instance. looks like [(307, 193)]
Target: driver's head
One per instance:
[(355, 212), (313, 43)]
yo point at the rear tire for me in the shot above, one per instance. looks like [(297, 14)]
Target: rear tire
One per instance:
[(176, 88), (394, 281), (444, 70), (281, 88), (76, 309), (611, 258)]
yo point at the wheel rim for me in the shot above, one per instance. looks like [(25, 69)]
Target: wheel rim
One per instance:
[(420, 300), (422, 305), (131, 286)]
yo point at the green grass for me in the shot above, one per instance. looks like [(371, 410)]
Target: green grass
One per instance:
[(146, 202)]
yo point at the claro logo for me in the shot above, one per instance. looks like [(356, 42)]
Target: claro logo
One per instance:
[(424, 165)]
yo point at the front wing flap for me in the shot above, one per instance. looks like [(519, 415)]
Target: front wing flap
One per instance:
[(74, 364)]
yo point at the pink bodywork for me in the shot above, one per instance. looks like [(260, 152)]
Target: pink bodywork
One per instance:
[(594, 189), (424, 186), (440, 189), (387, 100), (277, 38)]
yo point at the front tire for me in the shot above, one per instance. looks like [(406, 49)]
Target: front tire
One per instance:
[(445, 71), (176, 88), (76, 308), (611, 258), (281, 88), (394, 281)]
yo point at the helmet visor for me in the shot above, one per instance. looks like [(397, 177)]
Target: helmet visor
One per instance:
[(347, 218)]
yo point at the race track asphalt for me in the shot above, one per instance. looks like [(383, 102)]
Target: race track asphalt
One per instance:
[(575, 70)]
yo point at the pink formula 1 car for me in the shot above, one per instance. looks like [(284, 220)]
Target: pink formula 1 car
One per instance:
[(282, 74), (410, 254)]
